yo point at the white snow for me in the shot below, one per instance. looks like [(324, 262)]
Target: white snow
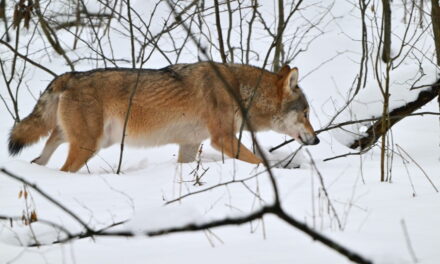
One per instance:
[(371, 212), (163, 218)]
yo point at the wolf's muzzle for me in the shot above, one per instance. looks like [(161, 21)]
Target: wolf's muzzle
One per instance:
[(316, 141)]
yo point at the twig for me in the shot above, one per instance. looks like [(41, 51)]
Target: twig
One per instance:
[(408, 241), (45, 195), (26, 58), (423, 171), (46, 222), (348, 154), (347, 123), (407, 172), (133, 89), (321, 180)]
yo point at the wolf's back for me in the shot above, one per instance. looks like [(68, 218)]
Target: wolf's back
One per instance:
[(42, 119)]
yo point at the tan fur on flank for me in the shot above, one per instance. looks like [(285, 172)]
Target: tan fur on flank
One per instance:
[(182, 104)]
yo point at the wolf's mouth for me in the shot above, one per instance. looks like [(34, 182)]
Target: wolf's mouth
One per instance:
[(297, 137), (315, 141)]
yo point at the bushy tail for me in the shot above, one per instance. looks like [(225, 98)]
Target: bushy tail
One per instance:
[(42, 119)]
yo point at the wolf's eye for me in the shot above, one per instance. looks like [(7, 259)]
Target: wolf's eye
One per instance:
[(306, 115)]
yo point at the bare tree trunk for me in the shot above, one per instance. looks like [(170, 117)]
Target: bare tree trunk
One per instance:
[(5, 19), (228, 38), (279, 37), (435, 16), (387, 30), (219, 31), (385, 126), (421, 12), (363, 65)]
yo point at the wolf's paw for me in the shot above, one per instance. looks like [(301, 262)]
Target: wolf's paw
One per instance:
[(37, 160)]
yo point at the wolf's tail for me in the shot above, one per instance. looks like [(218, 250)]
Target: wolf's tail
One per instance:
[(42, 119)]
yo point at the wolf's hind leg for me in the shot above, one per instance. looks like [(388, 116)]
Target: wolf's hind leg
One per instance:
[(81, 118), (188, 152), (55, 139), (77, 157), (81, 146)]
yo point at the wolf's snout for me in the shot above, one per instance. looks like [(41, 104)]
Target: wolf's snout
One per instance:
[(316, 141)]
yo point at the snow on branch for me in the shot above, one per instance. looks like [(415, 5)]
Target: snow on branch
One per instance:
[(376, 129)]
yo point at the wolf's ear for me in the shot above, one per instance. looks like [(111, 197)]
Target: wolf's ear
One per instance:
[(284, 71), (288, 80), (292, 79)]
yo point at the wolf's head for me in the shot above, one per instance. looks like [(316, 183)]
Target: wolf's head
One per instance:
[(293, 116)]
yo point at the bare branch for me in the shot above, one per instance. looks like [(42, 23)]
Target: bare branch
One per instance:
[(48, 197), (26, 58)]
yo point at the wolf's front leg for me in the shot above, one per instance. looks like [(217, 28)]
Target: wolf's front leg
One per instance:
[(222, 125), (234, 149), (188, 152)]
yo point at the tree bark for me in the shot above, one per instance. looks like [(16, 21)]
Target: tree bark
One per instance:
[(386, 51), (279, 37), (5, 20), (219, 31)]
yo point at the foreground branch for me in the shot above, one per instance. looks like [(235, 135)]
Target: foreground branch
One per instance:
[(45, 195), (228, 221), (274, 209)]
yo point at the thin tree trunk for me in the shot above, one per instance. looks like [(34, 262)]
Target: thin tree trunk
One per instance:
[(219, 31), (228, 38), (3, 16), (279, 37), (435, 16), (385, 126), (386, 52)]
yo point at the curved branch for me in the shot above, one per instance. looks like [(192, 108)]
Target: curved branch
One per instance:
[(379, 128), (48, 197), (27, 59)]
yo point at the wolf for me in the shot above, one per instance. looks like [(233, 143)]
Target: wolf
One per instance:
[(180, 104)]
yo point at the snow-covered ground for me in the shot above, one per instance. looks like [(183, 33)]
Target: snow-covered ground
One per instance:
[(379, 220)]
